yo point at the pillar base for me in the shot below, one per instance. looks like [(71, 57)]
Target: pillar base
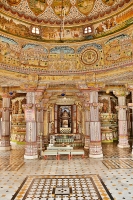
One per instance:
[(30, 157), (5, 148), (123, 146), (96, 156)]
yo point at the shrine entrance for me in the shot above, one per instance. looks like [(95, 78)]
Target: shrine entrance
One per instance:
[(65, 119)]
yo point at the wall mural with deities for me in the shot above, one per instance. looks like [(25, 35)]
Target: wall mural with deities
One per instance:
[(24, 56)]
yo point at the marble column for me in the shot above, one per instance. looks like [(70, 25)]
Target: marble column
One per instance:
[(39, 112), (95, 127), (130, 105), (87, 127), (5, 133), (122, 119), (31, 133)]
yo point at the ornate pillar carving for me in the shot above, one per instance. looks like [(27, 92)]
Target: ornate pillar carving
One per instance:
[(86, 106), (130, 105), (47, 114), (95, 126), (31, 133), (5, 134), (122, 117), (39, 112)]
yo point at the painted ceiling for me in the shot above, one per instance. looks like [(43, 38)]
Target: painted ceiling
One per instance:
[(51, 11), (103, 55)]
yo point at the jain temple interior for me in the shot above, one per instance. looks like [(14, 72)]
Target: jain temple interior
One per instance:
[(66, 99)]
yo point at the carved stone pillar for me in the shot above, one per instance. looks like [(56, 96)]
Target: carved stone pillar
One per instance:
[(5, 134), (87, 127), (39, 112), (122, 119), (130, 105), (47, 123), (95, 127), (31, 133), (87, 118)]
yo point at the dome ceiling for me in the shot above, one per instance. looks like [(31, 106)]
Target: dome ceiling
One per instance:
[(51, 11), (64, 20)]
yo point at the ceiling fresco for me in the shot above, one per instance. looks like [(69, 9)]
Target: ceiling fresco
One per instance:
[(50, 11), (99, 29), (61, 51)]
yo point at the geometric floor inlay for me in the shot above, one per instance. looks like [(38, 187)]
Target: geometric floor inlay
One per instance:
[(69, 187), (118, 163)]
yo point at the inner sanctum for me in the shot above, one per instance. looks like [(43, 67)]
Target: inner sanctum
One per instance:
[(65, 117)]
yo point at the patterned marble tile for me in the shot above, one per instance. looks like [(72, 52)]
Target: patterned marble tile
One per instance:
[(119, 182), (84, 187), (118, 163)]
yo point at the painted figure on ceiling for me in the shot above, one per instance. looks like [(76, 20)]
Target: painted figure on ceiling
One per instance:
[(37, 6)]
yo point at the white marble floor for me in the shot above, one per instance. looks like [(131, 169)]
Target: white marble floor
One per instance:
[(119, 181)]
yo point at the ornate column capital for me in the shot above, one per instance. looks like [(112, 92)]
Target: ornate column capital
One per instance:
[(120, 92), (95, 86)]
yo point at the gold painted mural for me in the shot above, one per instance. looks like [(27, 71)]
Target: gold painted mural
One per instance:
[(85, 6), (106, 54), (70, 33), (61, 8), (37, 6)]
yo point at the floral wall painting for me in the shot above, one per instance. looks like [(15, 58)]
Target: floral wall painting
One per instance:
[(37, 6), (85, 6)]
